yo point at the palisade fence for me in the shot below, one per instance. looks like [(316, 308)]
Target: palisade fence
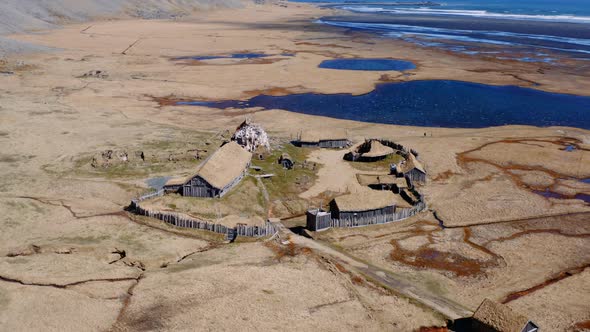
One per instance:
[(379, 219), (326, 221), (181, 220)]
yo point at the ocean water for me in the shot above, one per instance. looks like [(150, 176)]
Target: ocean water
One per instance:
[(517, 9), (526, 30), (575, 11), (434, 103)]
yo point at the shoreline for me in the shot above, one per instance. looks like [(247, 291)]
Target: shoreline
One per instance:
[(539, 76)]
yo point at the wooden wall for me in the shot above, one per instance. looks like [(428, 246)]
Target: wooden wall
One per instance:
[(416, 176), (227, 188), (334, 143), (364, 214), (315, 224), (197, 187), (179, 220), (317, 220)]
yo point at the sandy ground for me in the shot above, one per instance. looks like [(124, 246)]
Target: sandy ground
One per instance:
[(64, 233), (335, 174)]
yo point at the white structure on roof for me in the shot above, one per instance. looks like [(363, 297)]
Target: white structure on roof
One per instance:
[(251, 136)]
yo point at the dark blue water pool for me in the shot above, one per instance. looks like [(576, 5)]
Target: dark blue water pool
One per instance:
[(550, 194), (367, 64), (434, 103), (230, 56)]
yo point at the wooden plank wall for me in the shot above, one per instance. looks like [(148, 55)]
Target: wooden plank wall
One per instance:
[(184, 221), (372, 220)]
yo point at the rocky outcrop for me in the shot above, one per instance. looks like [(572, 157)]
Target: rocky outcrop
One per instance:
[(109, 158), (95, 74)]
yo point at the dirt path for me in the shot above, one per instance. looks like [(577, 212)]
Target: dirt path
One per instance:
[(394, 282)]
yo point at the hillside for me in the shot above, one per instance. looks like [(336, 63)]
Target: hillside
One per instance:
[(17, 16)]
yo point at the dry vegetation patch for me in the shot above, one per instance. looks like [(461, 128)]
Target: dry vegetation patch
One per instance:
[(498, 260)]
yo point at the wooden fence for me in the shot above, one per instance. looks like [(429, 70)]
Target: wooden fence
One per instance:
[(321, 223), (185, 221), (148, 196)]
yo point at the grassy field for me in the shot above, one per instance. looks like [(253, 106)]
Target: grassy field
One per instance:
[(284, 188), (245, 200), (173, 156)]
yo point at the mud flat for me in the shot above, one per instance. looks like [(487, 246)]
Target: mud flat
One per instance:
[(62, 214)]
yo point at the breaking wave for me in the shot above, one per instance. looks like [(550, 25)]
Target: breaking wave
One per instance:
[(565, 44), (471, 13)]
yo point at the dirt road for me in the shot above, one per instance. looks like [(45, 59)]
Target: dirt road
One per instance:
[(396, 283)]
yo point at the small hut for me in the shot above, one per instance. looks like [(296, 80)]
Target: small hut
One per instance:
[(384, 182), (369, 151), (286, 160), (333, 138), (495, 317), (412, 168), (318, 219), (217, 175), (363, 205)]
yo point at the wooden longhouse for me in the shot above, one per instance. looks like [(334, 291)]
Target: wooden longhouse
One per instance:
[(216, 176), (333, 138), (368, 204), (412, 168), (492, 316), (368, 207)]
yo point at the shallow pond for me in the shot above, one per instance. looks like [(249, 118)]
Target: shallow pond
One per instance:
[(157, 182), (433, 103), (551, 194), (367, 64), (230, 56)]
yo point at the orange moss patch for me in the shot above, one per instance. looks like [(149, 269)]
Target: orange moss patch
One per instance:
[(276, 91), (340, 268), (322, 45), (357, 280), (426, 257), (433, 329), (581, 326), (390, 78), (560, 276), (465, 158), (290, 250)]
